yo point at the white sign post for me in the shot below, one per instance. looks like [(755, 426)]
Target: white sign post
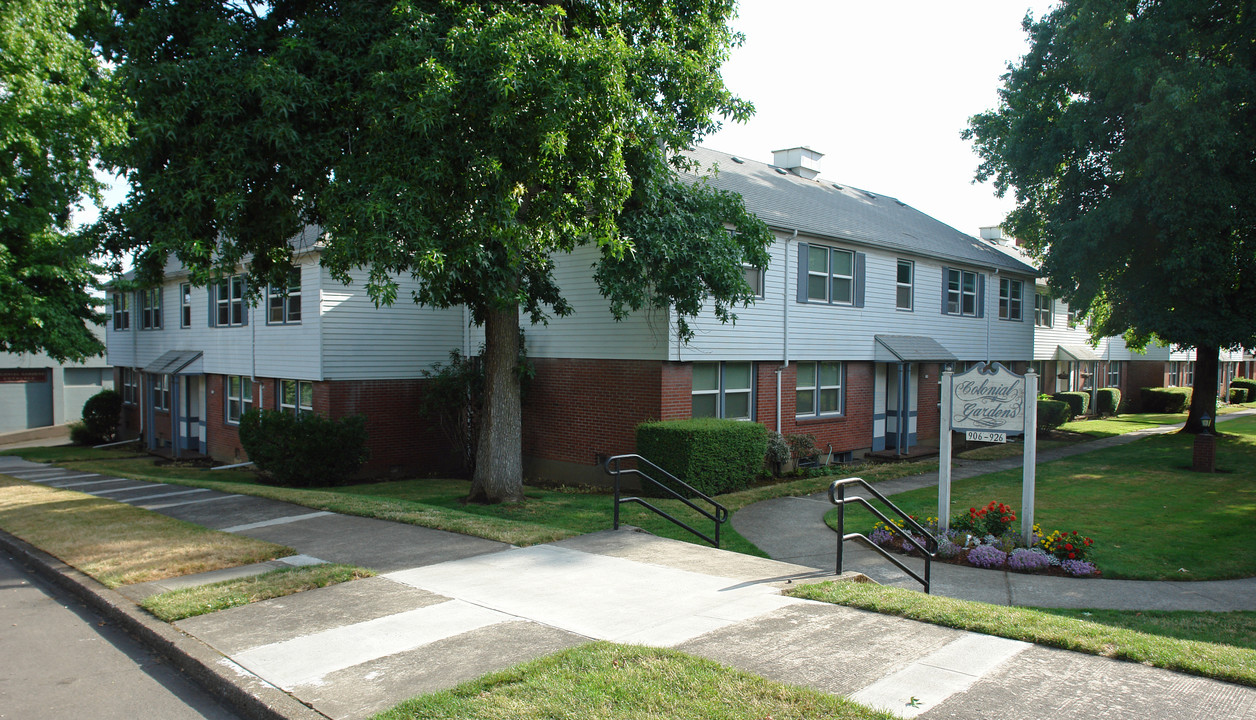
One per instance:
[(988, 402)]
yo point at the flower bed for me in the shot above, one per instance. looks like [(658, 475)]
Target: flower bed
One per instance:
[(984, 538)]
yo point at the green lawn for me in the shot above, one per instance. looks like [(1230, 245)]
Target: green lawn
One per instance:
[(1216, 645), (1151, 517), (548, 515), (202, 599), (602, 681), (1121, 424)]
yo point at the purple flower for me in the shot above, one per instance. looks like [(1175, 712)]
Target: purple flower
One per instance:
[(1078, 568), (987, 556), (1022, 560), (881, 537)]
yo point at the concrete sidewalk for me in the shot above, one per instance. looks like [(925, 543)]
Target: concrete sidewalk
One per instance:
[(449, 608), (792, 529)]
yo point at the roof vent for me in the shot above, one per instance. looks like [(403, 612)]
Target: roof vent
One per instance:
[(870, 195), (801, 161), (738, 160), (782, 171), (838, 187)]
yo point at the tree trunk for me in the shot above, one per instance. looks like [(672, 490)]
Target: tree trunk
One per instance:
[(499, 457), (1204, 391)]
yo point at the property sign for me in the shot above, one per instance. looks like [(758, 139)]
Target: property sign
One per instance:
[(22, 375), (985, 436), (988, 398)]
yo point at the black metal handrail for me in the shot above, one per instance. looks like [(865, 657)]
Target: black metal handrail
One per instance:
[(719, 513), (837, 495)]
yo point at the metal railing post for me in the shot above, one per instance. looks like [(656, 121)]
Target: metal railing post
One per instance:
[(841, 525), (616, 475)]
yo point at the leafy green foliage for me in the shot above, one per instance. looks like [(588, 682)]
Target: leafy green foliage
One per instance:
[(100, 417), (1109, 400), (465, 144), (1053, 413), (713, 456), (58, 109), (304, 451), (1166, 400), (1078, 402), (1248, 384), (1126, 134), (1238, 395)]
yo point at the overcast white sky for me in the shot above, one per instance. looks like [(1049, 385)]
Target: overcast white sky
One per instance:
[(882, 88)]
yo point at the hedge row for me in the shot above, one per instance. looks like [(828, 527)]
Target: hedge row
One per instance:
[(305, 451), (1079, 402), (714, 456), (1245, 384), (1166, 399), (1052, 413)]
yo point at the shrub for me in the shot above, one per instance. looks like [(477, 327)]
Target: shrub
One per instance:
[(1026, 560), (1166, 399), (987, 556), (714, 456), (1238, 395), (993, 519), (305, 451), (778, 449), (1052, 414), (1078, 402), (100, 419), (1109, 400), (1247, 384)]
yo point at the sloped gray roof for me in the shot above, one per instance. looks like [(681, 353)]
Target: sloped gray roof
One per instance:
[(174, 362), (914, 348), (828, 209)]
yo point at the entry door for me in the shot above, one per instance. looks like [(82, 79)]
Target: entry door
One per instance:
[(900, 406), (190, 428)]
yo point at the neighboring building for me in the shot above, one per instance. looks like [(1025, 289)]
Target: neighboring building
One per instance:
[(37, 391), (863, 302)]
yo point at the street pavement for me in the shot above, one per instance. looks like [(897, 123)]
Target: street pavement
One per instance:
[(447, 608)]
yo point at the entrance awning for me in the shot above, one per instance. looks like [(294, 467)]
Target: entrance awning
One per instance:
[(911, 348), (1075, 353), (176, 362)]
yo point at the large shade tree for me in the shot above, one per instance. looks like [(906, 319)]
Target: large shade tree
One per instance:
[(1128, 134), (57, 109), (463, 143)]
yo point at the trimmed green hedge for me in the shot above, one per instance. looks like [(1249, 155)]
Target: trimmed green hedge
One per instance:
[(1052, 413), (1237, 395), (100, 419), (1109, 400), (1079, 402), (305, 451), (1166, 399), (714, 456), (1247, 384)]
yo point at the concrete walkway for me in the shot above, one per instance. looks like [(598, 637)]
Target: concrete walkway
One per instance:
[(447, 608), (793, 530)]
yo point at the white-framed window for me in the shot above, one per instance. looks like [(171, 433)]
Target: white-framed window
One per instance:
[(161, 392), (820, 389), (1173, 375), (1188, 373), (150, 309), (121, 311), (1043, 310), (754, 278), (904, 285), (283, 304), (239, 397), (1010, 299), (296, 396), (185, 305), (228, 302), (1114, 374), (130, 385), (962, 293), (830, 275), (723, 390), (1074, 317), (1040, 367)]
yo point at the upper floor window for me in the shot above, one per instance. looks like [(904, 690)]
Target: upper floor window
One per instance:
[(284, 303), (963, 292), (1074, 317), (296, 396), (723, 390), (227, 302), (121, 311), (185, 305), (1010, 299), (904, 284), (239, 397), (1043, 310), (150, 309), (754, 278), (819, 388), (830, 275)]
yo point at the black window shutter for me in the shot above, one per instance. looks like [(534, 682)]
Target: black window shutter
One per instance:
[(211, 293), (244, 302), (802, 272), (946, 279), (861, 260), (981, 295)]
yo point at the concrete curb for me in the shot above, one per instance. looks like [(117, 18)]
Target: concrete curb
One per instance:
[(245, 693)]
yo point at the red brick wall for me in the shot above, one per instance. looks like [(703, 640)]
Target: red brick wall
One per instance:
[(578, 409), (222, 440), (401, 440), (928, 395), (853, 430), (1138, 375), (129, 422)]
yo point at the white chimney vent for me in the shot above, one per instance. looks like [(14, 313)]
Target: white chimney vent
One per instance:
[(801, 161)]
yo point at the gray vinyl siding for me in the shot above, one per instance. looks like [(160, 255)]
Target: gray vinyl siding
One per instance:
[(591, 331), (363, 342), (1047, 340)]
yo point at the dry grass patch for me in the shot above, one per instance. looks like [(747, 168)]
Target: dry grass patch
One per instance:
[(118, 544), (190, 602)]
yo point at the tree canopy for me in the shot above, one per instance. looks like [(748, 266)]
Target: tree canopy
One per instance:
[(463, 143), (1128, 135), (57, 110)]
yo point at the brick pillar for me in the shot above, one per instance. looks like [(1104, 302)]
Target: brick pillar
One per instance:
[(1204, 457)]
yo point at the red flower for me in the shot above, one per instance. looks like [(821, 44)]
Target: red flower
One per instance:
[(1072, 555)]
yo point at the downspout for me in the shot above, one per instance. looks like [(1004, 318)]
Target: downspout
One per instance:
[(784, 330)]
